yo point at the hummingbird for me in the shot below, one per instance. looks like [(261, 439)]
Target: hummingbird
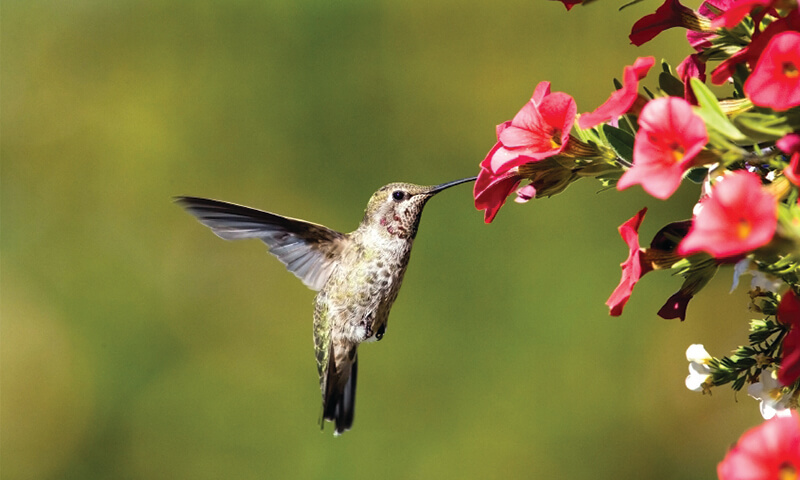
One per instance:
[(357, 275)]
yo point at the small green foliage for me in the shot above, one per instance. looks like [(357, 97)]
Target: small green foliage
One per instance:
[(748, 361), (762, 127), (712, 114), (668, 82), (621, 142), (697, 175)]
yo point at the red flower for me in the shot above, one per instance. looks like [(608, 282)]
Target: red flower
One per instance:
[(768, 451), (737, 217), (670, 14), (670, 136), (775, 81), (620, 101), (491, 190), (692, 66), (709, 9), (790, 144), (737, 11), (792, 172), (633, 268), (675, 306), (752, 53), (789, 313), (570, 3), (538, 131)]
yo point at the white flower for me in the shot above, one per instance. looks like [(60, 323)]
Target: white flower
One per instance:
[(699, 371), (761, 280), (774, 402)]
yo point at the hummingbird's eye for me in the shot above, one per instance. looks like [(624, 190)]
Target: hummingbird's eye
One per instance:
[(398, 195)]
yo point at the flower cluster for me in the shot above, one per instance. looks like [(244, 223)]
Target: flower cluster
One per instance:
[(741, 149)]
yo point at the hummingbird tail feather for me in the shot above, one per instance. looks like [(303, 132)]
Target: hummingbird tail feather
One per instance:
[(339, 404)]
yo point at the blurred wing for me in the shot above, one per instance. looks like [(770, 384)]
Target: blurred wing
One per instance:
[(308, 250)]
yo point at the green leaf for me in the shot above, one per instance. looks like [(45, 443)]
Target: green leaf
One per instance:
[(762, 126), (711, 113), (621, 141), (697, 175), (670, 84)]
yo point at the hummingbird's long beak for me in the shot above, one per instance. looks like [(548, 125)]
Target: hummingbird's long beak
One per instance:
[(439, 188)]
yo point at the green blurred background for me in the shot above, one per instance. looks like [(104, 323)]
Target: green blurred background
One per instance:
[(136, 344)]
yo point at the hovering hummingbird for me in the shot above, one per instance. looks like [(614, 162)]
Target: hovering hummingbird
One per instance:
[(357, 274)]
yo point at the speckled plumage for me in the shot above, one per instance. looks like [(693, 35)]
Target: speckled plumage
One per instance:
[(357, 275)]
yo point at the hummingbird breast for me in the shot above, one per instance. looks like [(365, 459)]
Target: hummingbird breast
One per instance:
[(360, 292)]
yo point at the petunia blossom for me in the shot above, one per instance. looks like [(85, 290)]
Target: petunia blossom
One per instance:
[(570, 3), (632, 268), (675, 306), (710, 9), (768, 451), (737, 217), (752, 52), (733, 15), (669, 138), (491, 189), (621, 100), (789, 313), (671, 14), (775, 81), (538, 131), (692, 66), (790, 144)]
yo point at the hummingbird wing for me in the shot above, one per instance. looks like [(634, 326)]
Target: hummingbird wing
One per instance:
[(308, 250)]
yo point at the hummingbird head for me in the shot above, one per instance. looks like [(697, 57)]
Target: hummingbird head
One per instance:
[(396, 208)]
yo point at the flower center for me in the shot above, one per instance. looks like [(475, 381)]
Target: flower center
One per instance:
[(555, 139), (743, 228), (790, 70), (787, 472), (677, 151)]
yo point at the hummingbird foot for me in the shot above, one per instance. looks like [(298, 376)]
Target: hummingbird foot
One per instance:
[(380, 332)]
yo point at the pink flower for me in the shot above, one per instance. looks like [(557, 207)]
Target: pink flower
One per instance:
[(790, 144), (491, 191), (709, 9), (538, 131), (752, 52), (775, 80), (737, 11), (570, 3), (670, 136), (692, 66), (768, 451), (789, 313), (792, 172), (670, 14), (737, 217), (622, 100), (633, 268)]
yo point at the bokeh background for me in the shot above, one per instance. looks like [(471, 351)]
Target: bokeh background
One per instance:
[(137, 345)]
